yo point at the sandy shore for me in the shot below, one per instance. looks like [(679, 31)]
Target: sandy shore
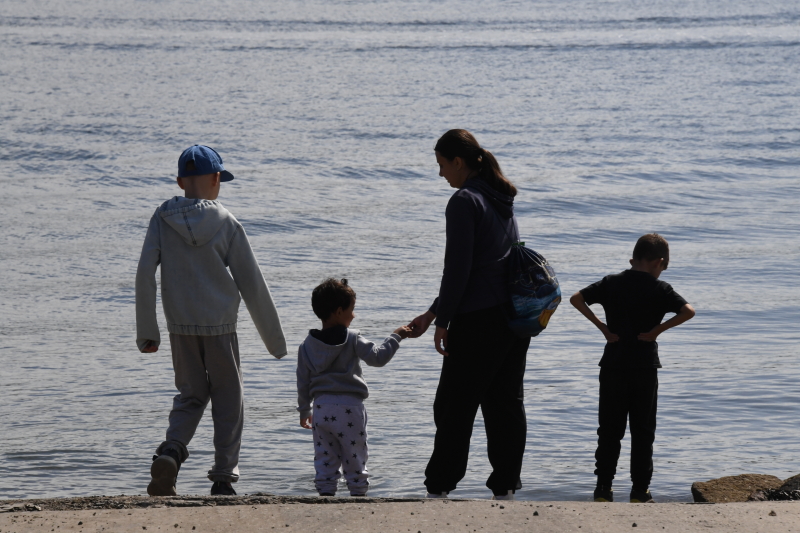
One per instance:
[(270, 513)]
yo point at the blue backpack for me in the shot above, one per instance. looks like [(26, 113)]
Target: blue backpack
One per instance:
[(532, 285), (534, 289)]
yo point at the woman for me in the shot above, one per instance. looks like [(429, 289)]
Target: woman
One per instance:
[(484, 360)]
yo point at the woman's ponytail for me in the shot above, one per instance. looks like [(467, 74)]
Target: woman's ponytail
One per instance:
[(461, 143)]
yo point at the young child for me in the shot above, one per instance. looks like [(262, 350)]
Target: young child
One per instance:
[(329, 372), (635, 302), (196, 241)]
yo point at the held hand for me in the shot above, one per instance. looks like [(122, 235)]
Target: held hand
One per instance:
[(420, 324), (150, 348), (440, 338), (610, 337), (403, 332), (306, 422), (651, 335)]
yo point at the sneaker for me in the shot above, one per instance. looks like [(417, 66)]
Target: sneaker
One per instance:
[(222, 488), (436, 495), (164, 474), (641, 496), (603, 493), (509, 495)]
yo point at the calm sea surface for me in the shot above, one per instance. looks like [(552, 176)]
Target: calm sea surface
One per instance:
[(613, 118)]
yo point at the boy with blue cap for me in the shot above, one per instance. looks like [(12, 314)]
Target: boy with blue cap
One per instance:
[(197, 241)]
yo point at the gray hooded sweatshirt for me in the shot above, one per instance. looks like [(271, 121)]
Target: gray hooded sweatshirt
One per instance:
[(335, 369), (196, 242)]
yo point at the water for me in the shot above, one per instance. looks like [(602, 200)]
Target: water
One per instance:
[(613, 118)]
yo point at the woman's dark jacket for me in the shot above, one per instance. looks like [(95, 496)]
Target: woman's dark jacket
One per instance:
[(480, 229)]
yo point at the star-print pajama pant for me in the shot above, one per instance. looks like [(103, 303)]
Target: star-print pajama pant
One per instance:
[(340, 442)]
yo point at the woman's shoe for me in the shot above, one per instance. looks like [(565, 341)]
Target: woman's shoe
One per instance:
[(603, 494), (641, 496)]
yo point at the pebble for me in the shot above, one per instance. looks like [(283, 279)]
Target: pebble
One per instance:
[(772, 513), (536, 513), (634, 525)]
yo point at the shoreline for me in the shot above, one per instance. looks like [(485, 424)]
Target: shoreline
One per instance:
[(267, 512)]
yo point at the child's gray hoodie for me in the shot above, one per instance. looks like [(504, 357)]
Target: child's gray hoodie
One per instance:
[(196, 242), (335, 369)]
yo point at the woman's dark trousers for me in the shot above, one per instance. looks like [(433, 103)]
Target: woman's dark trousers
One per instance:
[(627, 392), (485, 369)]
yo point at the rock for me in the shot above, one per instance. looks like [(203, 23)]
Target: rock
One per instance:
[(733, 488), (774, 495), (791, 484)]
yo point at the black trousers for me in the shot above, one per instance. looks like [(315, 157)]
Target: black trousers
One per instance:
[(485, 369), (631, 392)]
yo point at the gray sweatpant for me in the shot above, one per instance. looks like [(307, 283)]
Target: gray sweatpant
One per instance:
[(207, 368)]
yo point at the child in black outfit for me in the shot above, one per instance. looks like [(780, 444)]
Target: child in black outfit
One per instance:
[(635, 302)]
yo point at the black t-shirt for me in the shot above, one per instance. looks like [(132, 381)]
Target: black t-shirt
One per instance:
[(635, 302)]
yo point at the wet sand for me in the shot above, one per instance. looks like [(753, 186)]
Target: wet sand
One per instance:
[(273, 513)]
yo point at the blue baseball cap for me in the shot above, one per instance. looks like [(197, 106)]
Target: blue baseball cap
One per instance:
[(206, 161)]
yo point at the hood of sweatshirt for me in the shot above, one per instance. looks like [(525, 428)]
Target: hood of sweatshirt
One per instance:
[(503, 203), (321, 355), (195, 220)]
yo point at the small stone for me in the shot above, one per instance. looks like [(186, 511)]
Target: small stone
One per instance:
[(80, 523), (144, 527), (176, 525), (502, 507), (772, 513), (634, 525), (536, 513), (412, 513)]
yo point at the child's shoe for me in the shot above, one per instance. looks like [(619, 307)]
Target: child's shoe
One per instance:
[(164, 474), (509, 495), (603, 493), (222, 488), (641, 496), (436, 495)]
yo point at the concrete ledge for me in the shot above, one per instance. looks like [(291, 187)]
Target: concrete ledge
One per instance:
[(269, 513)]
